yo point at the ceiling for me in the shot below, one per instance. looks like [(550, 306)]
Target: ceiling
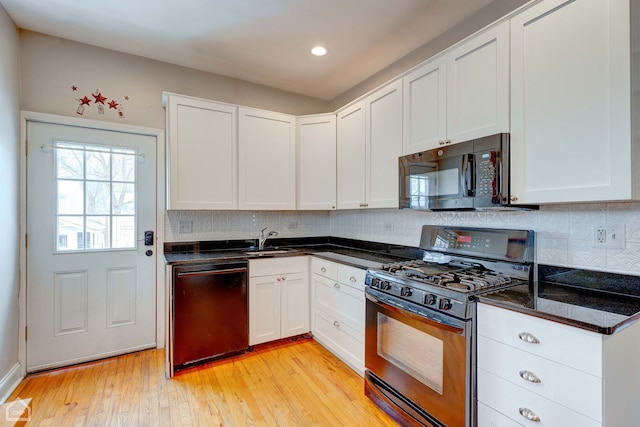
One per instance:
[(261, 41)]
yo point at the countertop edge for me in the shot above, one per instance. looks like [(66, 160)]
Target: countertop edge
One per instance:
[(610, 330)]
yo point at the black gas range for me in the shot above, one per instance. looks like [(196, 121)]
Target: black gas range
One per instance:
[(458, 263), (419, 344)]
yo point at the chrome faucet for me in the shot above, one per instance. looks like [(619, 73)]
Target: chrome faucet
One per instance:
[(263, 238)]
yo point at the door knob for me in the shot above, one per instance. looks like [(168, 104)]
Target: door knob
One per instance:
[(149, 252)]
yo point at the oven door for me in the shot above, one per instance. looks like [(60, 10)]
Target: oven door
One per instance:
[(417, 368)]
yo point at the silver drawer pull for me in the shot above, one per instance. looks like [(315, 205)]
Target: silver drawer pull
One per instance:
[(353, 279), (529, 414), (336, 323), (527, 337), (529, 376), (324, 270), (336, 285)]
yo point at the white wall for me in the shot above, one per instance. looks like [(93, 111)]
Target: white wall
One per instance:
[(9, 202), (50, 66)]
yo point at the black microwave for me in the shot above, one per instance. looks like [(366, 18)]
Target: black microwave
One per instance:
[(468, 175)]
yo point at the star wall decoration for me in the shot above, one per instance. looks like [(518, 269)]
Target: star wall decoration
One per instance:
[(99, 98), (99, 101)]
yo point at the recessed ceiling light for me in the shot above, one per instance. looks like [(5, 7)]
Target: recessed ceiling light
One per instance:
[(319, 51)]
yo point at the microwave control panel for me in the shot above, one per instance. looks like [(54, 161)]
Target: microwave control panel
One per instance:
[(487, 174)]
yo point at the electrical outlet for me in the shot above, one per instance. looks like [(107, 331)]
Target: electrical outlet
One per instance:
[(388, 227), (186, 226), (608, 236)]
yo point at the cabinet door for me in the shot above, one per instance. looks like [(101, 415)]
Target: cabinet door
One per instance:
[(202, 154), (294, 298), (266, 160), (351, 157), (316, 167), (570, 102), (425, 107), (264, 309), (384, 145), (478, 86)]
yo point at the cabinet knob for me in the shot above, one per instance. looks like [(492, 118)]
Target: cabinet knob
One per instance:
[(527, 337), (333, 207), (364, 205), (279, 279), (284, 278), (336, 285), (353, 279), (529, 376), (324, 270), (529, 414), (514, 198), (336, 323), (447, 141), (441, 142)]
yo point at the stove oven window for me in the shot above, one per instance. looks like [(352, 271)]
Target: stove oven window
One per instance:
[(416, 353)]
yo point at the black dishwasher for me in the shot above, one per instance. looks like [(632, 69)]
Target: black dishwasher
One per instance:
[(210, 312)]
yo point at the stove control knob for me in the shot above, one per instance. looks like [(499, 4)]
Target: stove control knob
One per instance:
[(429, 299), (375, 283), (445, 304), (406, 291), (385, 286)]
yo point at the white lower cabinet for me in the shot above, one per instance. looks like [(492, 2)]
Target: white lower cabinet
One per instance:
[(278, 298), (338, 310), (536, 372)]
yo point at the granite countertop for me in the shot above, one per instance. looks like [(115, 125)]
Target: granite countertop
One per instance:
[(592, 300), (351, 252)]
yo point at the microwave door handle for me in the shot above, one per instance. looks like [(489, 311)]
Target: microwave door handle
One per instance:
[(469, 174)]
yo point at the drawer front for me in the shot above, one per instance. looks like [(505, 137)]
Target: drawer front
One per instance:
[(351, 276), (343, 302), (340, 339), (283, 265), (510, 400), (324, 268), (488, 417), (560, 343), (569, 387)]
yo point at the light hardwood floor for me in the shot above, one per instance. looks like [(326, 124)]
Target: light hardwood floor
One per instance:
[(290, 383)]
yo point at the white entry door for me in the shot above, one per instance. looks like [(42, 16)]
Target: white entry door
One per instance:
[(91, 280)]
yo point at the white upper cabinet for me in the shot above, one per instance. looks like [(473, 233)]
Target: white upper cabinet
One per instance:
[(369, 143), (425, 107), (384, 145), (266, 160), (461, 95), (478, 86), (316, 167), (202, 154), (351, 157), (571, 104)]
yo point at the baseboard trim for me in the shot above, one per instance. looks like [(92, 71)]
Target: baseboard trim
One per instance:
[(9, 382)]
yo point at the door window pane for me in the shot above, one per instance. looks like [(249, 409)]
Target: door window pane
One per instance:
[(96, 197)]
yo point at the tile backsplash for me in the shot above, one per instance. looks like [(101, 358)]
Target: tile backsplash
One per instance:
[(564, 233)]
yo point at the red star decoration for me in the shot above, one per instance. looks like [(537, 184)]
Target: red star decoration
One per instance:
[(113, 104), (74, 88), (99, 98), (84, 101)]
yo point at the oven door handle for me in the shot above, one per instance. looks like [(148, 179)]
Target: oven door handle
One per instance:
[(431, 320)]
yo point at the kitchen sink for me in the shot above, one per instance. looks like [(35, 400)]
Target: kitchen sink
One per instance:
[(269, 251)]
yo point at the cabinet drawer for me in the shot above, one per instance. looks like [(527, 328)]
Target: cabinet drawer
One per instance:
[(324, 268), (560, 343), (509, 399), (271, 266), (488, 417), (339, 338), (569, 387), (351, 276), (343, 302)]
